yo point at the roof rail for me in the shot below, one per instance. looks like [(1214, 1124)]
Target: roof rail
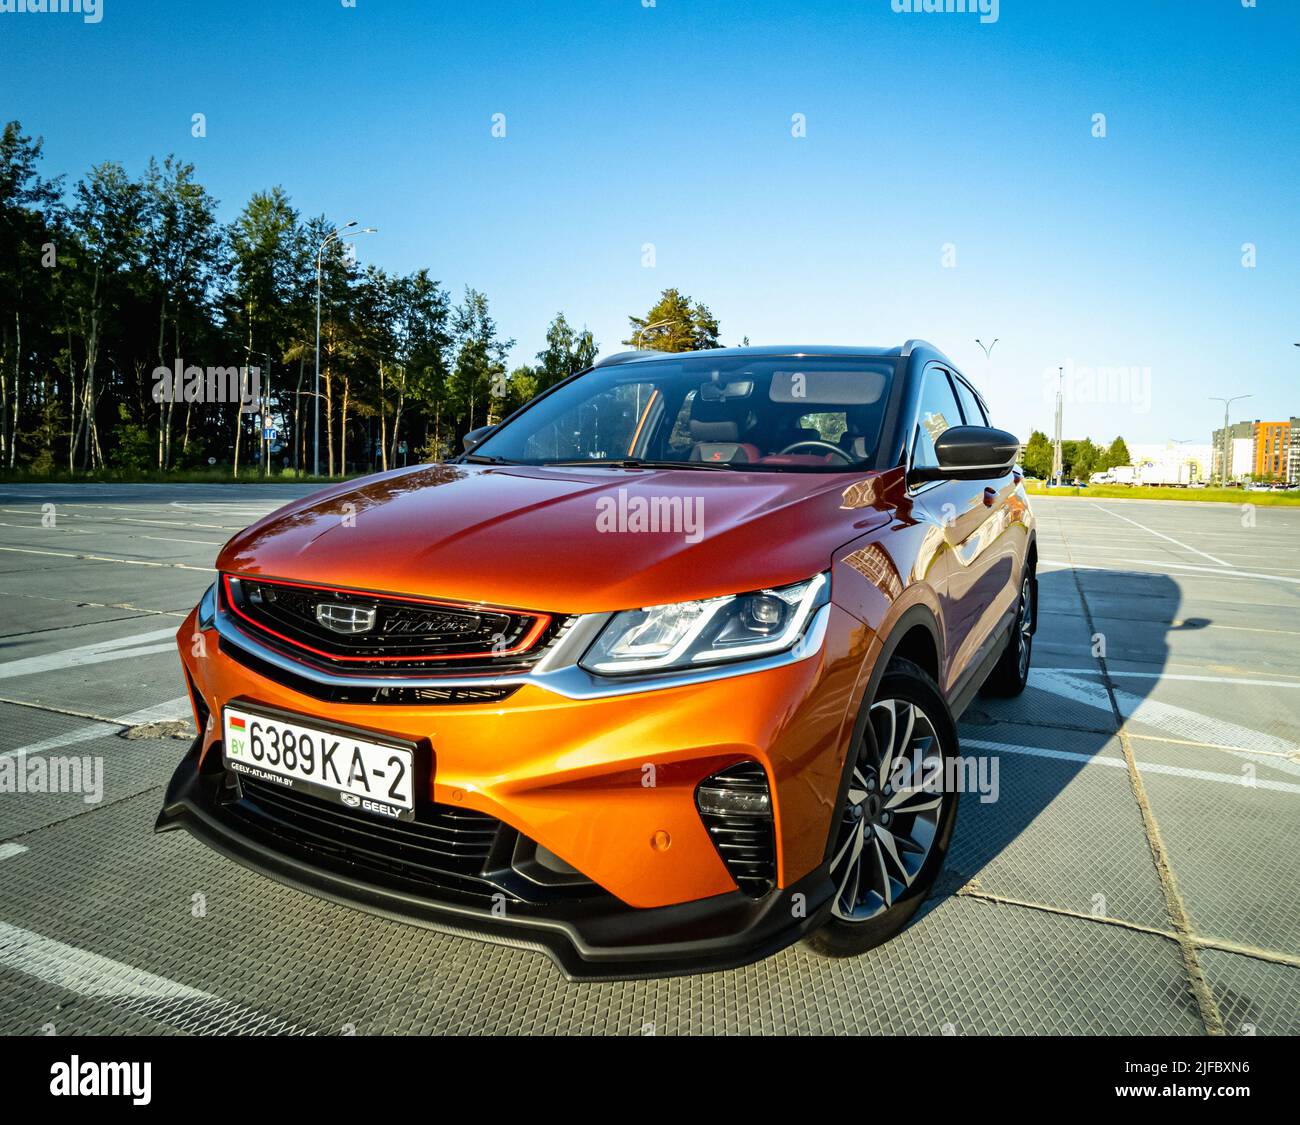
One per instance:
[(620, 357), (912, 345)]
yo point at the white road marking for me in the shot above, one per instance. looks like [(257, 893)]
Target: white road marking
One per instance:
[(101, 978), (170, 711), (1177, 676), (1162, 535), (1144, 767), (105, 558), (1233, 573), (8, 851), (1198, 571), (1188, 725), (83, 972), (168, 539), (123, 648)]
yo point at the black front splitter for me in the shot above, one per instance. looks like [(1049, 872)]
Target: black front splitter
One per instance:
[(598, 939)]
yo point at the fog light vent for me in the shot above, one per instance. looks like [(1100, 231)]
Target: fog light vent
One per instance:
[(736, 807)]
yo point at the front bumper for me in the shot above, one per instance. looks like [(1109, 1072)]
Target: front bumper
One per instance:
[(605, 785), (597, 938)]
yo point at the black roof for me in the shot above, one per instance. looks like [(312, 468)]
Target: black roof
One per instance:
[(901, 351)]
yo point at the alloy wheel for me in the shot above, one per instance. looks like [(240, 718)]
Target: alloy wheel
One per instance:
[(891, 816), (1025, 625)]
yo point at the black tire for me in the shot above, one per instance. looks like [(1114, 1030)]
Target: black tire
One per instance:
[(842, 936), (1011, 673)]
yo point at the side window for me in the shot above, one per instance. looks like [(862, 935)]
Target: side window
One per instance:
[(970, 405), (938, 412)]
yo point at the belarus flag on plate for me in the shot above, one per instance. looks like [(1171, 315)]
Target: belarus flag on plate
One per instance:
[(236, 723)]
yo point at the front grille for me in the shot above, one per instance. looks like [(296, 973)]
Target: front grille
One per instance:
[(392, 633), (444, 848), (377, 694), (743, 835)]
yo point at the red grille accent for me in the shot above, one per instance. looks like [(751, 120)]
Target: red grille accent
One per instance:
[(408, 633)]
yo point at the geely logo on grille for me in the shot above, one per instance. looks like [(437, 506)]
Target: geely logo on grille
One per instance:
[(346, 618)]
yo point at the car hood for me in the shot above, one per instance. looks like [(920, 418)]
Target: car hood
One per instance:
[(559, 539)]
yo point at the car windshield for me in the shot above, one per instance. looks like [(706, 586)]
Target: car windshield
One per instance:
[(764, 414)]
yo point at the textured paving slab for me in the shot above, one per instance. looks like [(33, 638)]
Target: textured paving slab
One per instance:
[(967, 966), (1082, 816), (119, 930), (1255, 997), (82, 776), (1233, 847)]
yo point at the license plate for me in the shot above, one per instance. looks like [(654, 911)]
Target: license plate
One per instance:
[(371, 777)]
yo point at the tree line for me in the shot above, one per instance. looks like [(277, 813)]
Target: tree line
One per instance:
[(117, 277), (109, 281), (1080, 458)]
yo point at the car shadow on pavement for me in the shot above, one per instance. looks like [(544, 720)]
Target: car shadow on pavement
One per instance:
[(1060, 825)]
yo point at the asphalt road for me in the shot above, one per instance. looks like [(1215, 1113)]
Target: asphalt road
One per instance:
[(1137, 874)]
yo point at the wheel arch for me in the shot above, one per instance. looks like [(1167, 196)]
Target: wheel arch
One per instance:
[(915, 632)]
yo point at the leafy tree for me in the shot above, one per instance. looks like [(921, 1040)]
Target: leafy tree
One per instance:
[(566, 353), (1117, 454), (1085, 459), (107, 217), (675, 323), (121, 275), (1038, 456), (423, 356), (478, 377), (30, 219), (181, 240)]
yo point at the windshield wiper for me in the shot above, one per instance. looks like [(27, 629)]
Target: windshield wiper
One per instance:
[(638, 463), (484, 459)]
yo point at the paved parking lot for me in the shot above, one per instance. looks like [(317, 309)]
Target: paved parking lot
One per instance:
[(1138, 873)]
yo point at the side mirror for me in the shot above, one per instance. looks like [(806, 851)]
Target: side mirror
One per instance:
[(476, 437), (972, 453)]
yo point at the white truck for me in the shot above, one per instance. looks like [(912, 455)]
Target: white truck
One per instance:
[(1166, 475), (1155, 474), (1120, 474)]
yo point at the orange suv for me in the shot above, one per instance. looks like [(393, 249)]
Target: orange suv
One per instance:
[(659, 675)]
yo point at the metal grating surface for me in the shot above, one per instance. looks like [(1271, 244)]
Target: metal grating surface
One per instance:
[(1255, 997), (1084, 817), (976, 967), (1232, 847)]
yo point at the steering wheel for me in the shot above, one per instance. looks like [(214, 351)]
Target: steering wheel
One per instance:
[(823, 446)]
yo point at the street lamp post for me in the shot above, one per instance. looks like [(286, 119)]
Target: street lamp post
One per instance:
[(647, 327), (987, 349), (1227, 441), (336, 235), (1058, 449)]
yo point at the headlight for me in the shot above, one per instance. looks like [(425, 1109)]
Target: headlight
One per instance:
[(208, 608), (687, 634)]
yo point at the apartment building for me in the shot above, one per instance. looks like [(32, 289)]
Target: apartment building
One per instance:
[(1272, 451), (1240, 444), (1260, 450)]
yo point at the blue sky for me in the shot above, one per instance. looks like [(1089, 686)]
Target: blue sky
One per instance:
[(671, 125)]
